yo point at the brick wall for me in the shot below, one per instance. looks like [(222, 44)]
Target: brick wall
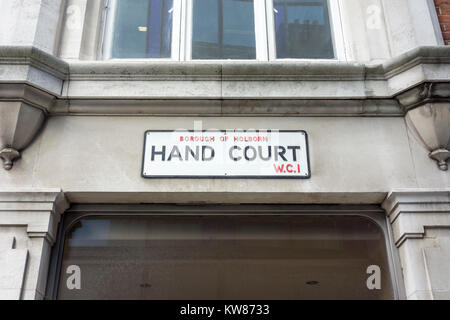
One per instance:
[(443, 12)]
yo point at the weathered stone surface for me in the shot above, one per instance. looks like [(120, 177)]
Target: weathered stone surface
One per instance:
[(29, 220), (421, 228)]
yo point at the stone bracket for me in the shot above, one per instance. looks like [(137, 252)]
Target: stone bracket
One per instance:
[(427, 92), (20, 122), (427, 108)]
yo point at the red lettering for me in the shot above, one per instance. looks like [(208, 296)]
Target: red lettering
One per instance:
[(279, 169)]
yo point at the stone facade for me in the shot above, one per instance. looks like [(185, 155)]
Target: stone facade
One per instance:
[(72, 125)]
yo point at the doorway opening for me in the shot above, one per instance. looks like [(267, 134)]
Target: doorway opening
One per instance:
[(225, 255)]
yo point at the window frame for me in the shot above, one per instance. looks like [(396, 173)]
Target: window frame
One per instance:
[(265, 42)]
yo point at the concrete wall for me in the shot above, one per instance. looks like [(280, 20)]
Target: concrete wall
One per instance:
[(367, 156)]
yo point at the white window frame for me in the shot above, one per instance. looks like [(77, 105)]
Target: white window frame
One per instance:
[(265, 41)]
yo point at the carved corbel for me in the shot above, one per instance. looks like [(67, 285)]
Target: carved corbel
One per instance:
[(427, 108), (22, 114)]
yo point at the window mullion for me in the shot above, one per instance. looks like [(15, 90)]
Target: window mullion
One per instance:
[(270, 30), (186, 30), (260, 30), (336, 29), (220, 14), (177, 28), (110, 8)]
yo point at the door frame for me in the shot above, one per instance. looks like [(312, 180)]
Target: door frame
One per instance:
[(79, 211)]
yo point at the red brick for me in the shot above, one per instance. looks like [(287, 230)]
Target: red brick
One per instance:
[(444, 3), (444, 19), (445, 11)]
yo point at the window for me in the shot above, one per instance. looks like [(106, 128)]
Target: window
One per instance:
[(302, 29), (142, 29), (223, 29), (225, 257)]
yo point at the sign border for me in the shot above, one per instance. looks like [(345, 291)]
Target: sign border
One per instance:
[(225, 177)]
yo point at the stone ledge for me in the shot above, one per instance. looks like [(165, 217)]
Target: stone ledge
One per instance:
[(257, 70), (140, 84), (29, 55), (226, 197), (221, 70), (235, 107), (421, 55), (28, 94)]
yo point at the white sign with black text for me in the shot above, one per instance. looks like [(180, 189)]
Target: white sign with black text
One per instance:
[(226, 154)]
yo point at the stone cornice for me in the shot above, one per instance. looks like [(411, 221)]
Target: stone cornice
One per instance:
[(229, 108), (34, 57), (422, 55), (256, 70), (374, 84), (239, 69), (216, 71), (28, 94)]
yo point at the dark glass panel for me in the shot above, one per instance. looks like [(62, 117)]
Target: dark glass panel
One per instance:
[(302, 29), (223, 29), (142, 29), (225, 257)]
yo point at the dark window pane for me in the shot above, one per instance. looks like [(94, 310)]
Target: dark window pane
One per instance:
[(223, 29), (225, 257), (142, 29), (302, 29)]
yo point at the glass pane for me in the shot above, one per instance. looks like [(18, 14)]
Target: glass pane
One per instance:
[(223, 29), (225, 257), (302, 29), (142, 29)]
